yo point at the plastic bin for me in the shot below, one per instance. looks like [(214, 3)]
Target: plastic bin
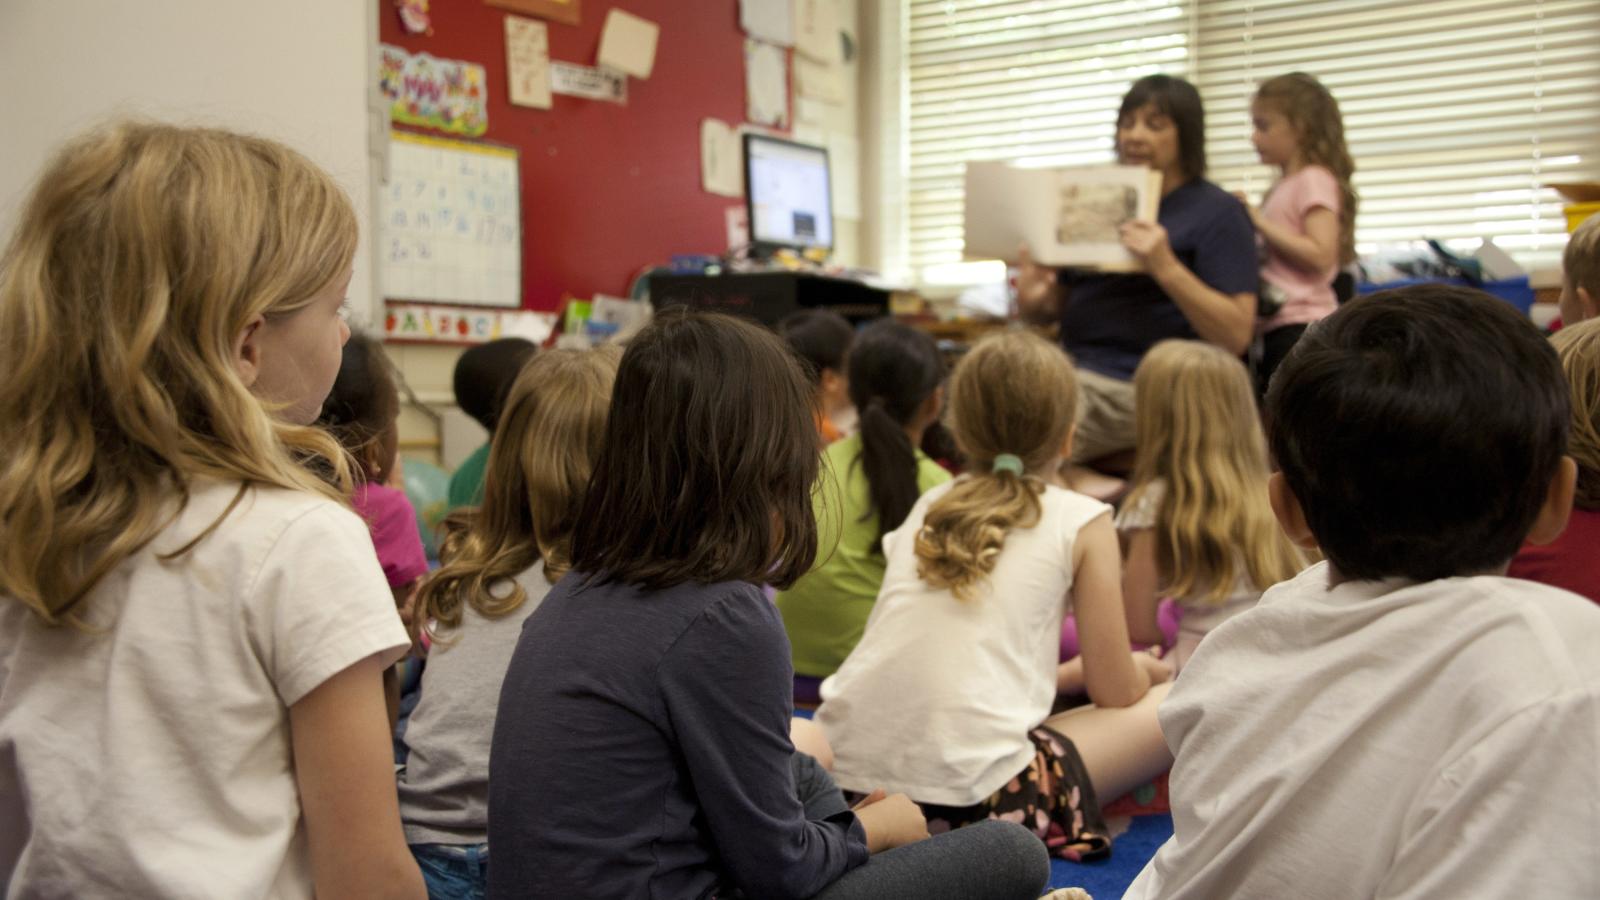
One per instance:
[(1515, 291)]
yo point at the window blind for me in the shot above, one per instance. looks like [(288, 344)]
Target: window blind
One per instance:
[(1038, 80), (1457, 112)]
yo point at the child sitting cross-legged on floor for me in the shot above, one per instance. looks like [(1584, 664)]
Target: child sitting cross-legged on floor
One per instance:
[(1401, 720), (948, 695)]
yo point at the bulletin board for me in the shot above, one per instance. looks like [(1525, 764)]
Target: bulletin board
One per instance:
[(450, 224), (606, 188)]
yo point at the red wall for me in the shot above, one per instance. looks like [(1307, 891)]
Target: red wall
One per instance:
[(606, 189)]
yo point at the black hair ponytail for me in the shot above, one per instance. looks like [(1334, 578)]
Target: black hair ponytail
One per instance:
[(893, 370)]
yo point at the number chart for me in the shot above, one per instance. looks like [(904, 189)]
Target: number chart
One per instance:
[(451, 223)]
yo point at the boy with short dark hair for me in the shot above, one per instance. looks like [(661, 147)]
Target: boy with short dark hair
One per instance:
[(483, 376), (1401, 720)]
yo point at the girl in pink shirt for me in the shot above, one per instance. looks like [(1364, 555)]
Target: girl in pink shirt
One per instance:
[(1306, 221)]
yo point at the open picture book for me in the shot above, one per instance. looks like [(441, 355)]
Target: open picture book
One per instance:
[(1068, 217)]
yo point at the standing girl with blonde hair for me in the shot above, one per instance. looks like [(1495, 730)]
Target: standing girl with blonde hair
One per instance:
[(1307, 220), (947, 698), (193, 624), (1197, 526), (500, 560)]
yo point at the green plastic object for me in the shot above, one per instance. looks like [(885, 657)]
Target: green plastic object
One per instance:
[(428, 489)]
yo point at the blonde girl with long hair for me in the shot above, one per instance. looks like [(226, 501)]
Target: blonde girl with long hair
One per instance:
[(948, 696), (1307, 220), (499, 559), (1196, 525), (193, 624)]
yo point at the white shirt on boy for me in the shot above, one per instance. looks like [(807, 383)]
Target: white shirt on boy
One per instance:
[(1388, 739), (937, 700), (149, 754)]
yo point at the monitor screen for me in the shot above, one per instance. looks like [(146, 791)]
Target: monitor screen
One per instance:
[(786, 189)]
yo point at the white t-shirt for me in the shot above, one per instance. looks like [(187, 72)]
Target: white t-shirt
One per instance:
[(1199, 617), (938, 698), (1388, 739), (150, 757)]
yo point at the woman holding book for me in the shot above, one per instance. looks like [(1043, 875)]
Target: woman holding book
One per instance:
[(1199, 260)]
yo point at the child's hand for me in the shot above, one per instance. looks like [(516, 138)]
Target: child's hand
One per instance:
[(1153, 665), (890, 821), (1148, 241)]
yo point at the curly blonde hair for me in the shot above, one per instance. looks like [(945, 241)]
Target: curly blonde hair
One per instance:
[(139, 259), (1013, 393), (1199, 434), (1314, 115), (1578, 346), (545, 446)]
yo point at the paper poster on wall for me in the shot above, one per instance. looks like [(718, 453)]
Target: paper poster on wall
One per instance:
[(446, 94), (819, 81), (451, 223), (844, 167), (588, 82), (414, 16), (563, 11), (720, 171), (628, 43), (766, 84), (816, 30), (768, 20), (443, 324), (811, 111), (528, 62)]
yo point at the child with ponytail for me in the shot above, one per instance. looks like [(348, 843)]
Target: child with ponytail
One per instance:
[(1197, 526), (948, 695), (869, 481)]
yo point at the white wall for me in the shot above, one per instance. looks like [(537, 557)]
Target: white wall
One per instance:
[(293, 70)]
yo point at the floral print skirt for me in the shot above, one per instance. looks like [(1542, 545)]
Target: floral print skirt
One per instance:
[(1052, 797)]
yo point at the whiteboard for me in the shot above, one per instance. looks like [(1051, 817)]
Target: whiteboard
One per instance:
[(450, 228)]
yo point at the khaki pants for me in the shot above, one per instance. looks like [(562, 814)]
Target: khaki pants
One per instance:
[(1105, 416)]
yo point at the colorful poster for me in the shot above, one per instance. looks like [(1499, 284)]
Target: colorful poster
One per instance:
[(446, 94)]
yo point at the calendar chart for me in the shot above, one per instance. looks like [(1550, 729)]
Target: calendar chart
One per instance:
[(450, 227)]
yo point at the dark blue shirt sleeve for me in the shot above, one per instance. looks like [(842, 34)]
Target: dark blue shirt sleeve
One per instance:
[(1225, 250), (726, 685)]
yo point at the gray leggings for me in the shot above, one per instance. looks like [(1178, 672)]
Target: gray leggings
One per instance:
[(987, 861)]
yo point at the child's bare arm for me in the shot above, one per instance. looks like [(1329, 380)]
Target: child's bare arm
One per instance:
[(344, 766), (1109, 673), (1141, 587)]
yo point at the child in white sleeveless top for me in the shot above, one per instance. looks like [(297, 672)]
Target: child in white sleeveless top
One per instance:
[(947, 698)]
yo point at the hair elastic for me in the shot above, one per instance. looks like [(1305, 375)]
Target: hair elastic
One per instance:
[(1007, 462)]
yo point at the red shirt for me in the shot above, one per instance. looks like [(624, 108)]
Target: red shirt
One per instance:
[(1572, 561)]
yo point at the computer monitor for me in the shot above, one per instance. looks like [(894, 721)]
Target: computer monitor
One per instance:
[(787, 195)]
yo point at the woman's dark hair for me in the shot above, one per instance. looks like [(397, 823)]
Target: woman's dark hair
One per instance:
[(820, 337), (484, 375), (710, 453), (1179, 101), (1420, 428), (364, 400), (893, 369)]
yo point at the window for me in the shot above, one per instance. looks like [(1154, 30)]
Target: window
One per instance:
[(1457, 111)]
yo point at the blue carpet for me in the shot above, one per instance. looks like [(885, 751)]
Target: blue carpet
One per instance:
[(1106, 879)]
